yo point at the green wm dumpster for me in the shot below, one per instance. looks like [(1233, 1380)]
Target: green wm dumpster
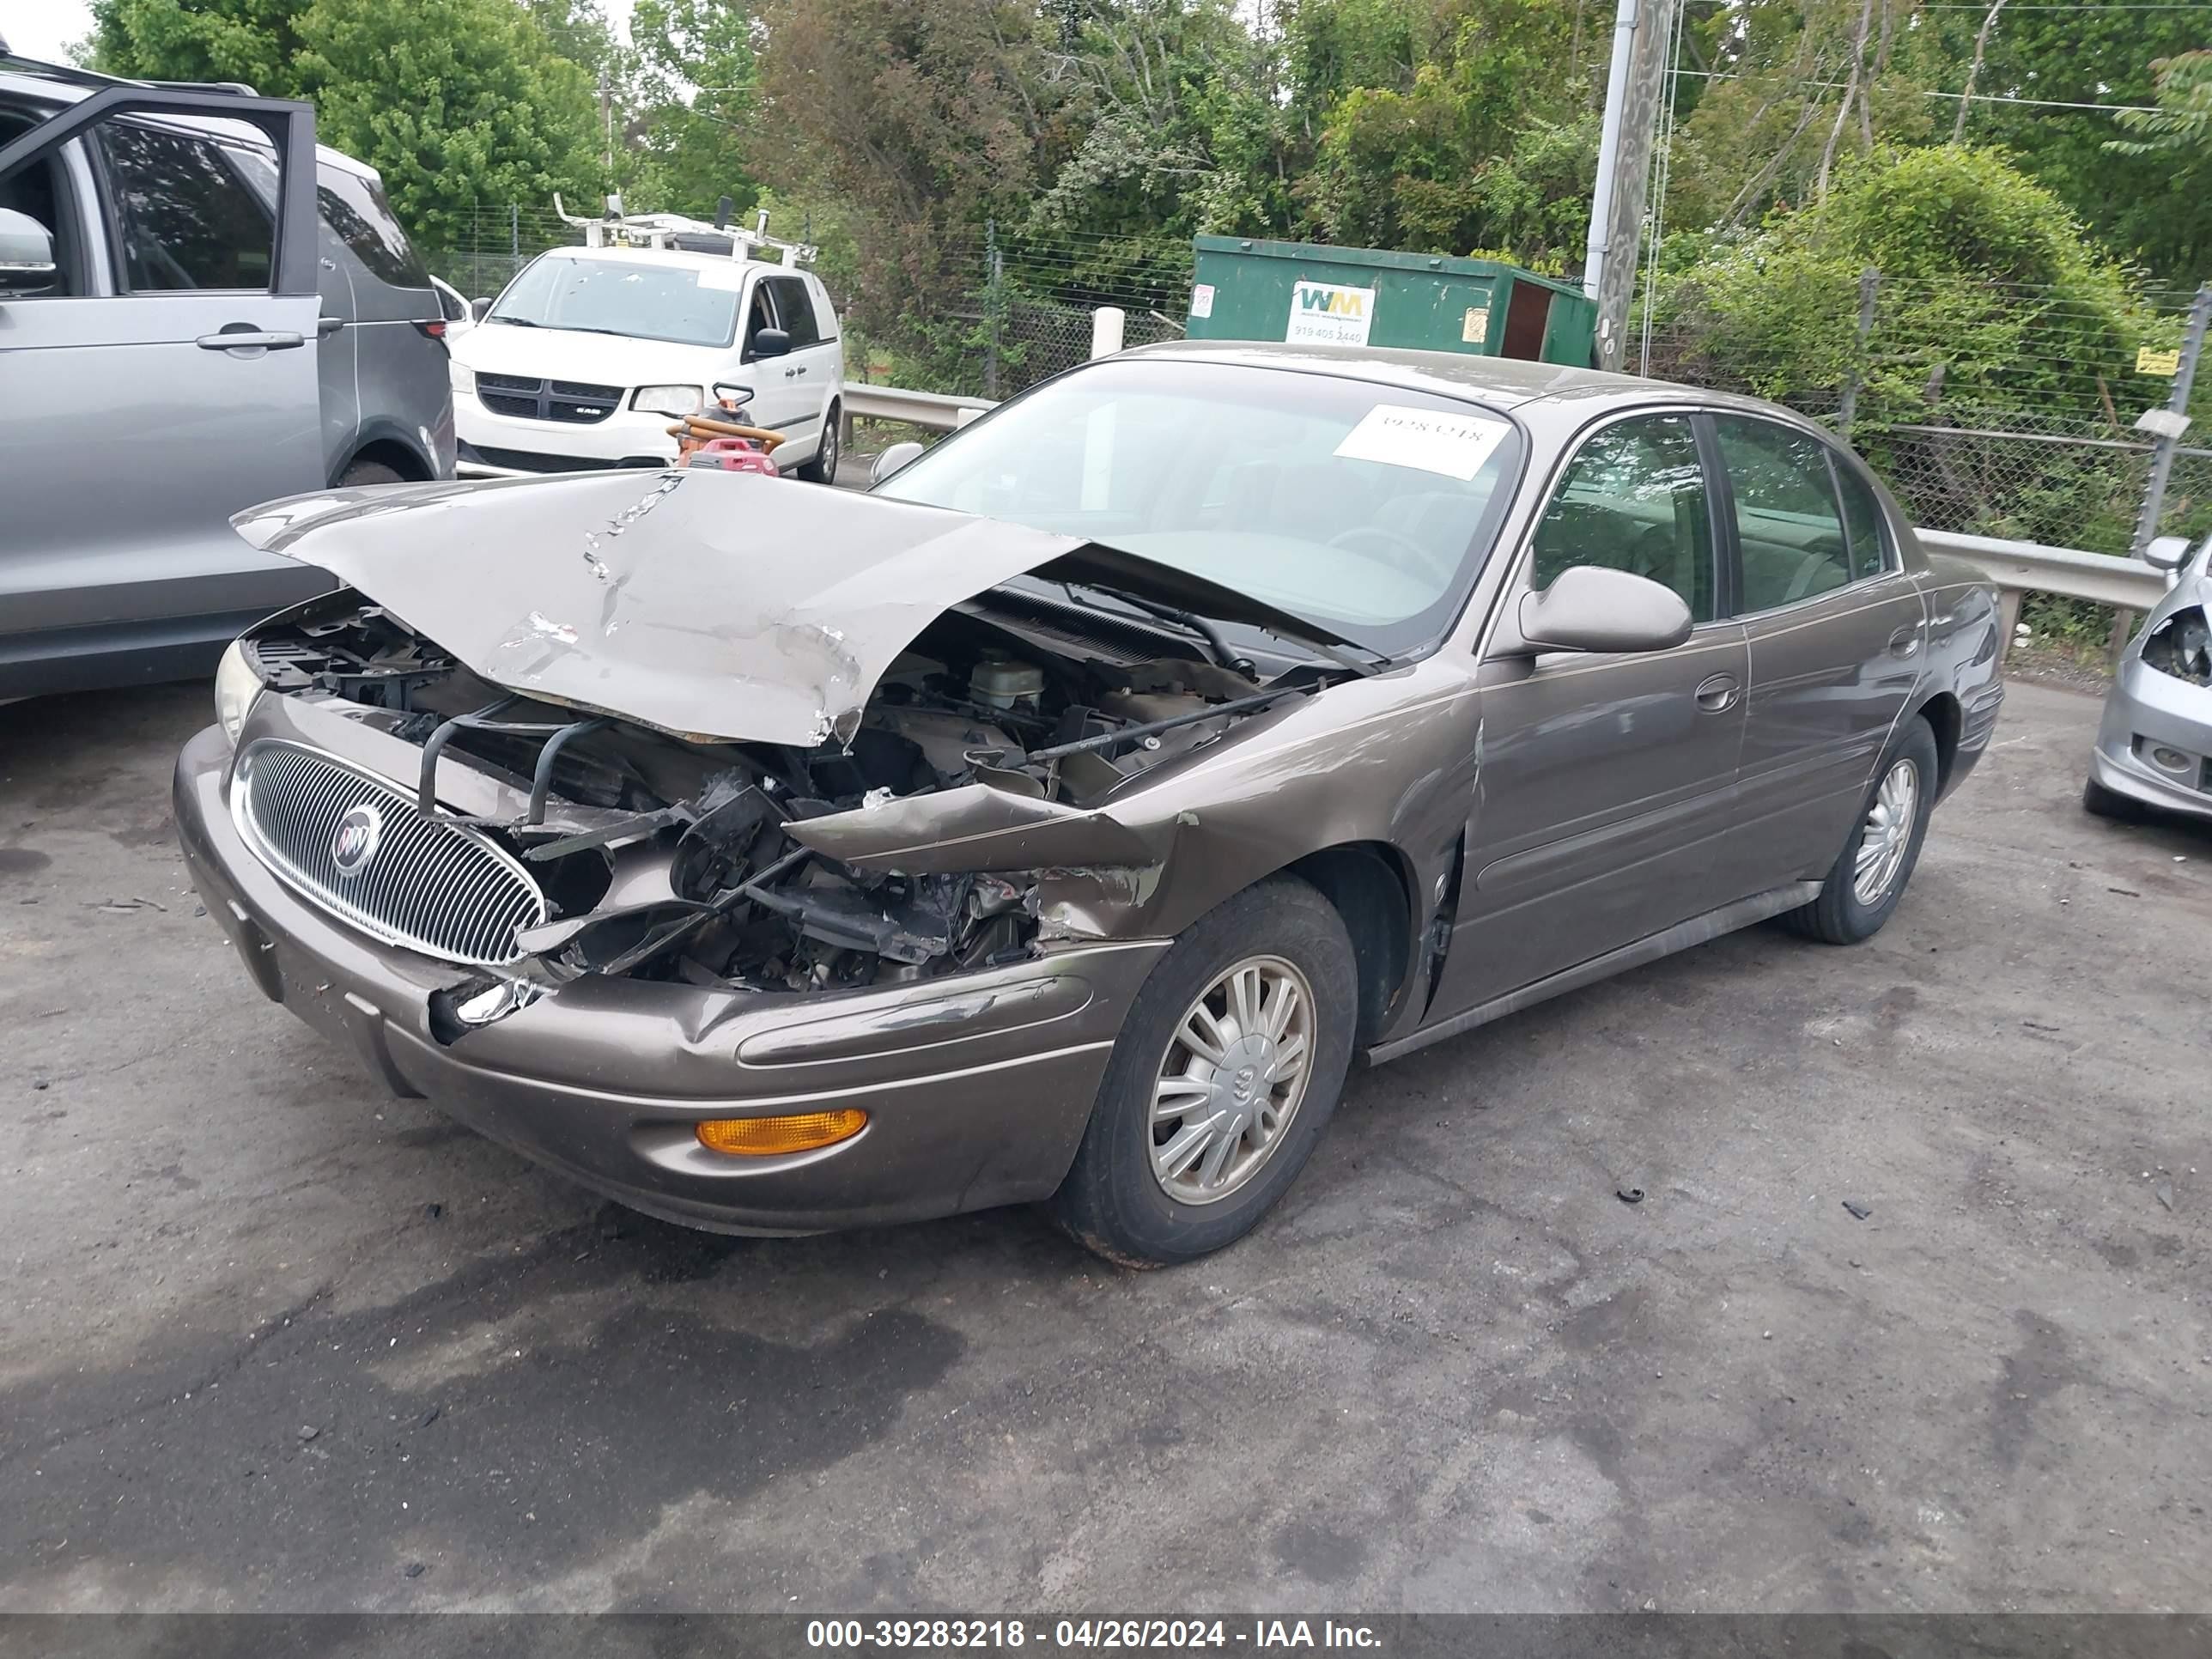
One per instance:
[(1247, 289)]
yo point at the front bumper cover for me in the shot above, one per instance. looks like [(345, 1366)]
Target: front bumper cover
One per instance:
[(977, 1086), (2147, 706)]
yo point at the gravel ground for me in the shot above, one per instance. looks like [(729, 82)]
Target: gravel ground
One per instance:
[(274, 1342)]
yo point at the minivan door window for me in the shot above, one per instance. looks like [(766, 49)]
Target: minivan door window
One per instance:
[(797, 311), (184, 217)]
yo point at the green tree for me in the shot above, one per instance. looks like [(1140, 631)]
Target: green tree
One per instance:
[(697, 93), (1983, 271), (2153, 208), (456, 102), (2182, 119)]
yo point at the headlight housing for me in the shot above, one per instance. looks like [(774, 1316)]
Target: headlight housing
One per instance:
[(236, 688), (461, 379), (668, 399)]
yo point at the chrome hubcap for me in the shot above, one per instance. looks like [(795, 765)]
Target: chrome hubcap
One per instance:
[(1231, 1079), (1888, 833)]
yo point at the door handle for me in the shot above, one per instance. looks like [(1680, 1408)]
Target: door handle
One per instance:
[(326, 326), (800, 372), (1716, 693), (243, 336), (1906, 640)]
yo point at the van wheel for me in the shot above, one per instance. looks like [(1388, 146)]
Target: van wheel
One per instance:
[(368, 472), (1870, 874), (823, 468), (1225, 1075)]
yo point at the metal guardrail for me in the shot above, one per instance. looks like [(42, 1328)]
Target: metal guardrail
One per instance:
[(2015, 567), (2018, 567), (935, 410)]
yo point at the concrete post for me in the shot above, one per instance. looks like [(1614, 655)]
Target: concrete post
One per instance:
[(1106, 325)]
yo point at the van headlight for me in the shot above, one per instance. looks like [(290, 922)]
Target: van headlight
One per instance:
[(461, 379), (668, 399), (236, 687)]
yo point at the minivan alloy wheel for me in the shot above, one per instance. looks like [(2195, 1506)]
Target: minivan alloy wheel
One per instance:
[(1231, 1079), (1889, 823)]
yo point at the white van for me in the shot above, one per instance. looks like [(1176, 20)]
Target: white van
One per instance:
[(591, 354)]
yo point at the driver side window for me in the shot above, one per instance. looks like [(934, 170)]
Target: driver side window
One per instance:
[(1633, 499), (758, 316)]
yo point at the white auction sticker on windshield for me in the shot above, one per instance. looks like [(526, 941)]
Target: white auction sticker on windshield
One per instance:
[(727, 279), (1430, 438)]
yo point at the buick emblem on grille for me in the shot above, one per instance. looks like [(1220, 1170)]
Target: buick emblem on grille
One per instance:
[(353, 843)]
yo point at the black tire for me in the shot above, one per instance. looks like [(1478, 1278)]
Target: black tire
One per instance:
[(1838, 916), (2111, 804), (1112, 1202), (368, 473), (823, 468)]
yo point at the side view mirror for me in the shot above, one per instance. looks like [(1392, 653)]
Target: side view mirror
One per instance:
[(2167, 552), (771, 343), (479, 309), (26, 254), (898, 456), (1588, 607)]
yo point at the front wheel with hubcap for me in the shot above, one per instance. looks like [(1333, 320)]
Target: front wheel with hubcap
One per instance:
[(1869, 875), (1223, 1076)]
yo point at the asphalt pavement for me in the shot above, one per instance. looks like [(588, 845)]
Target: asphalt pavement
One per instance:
[(274, 1341)]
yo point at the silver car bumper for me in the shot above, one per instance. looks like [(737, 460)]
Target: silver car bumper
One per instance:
[(2147, 710)]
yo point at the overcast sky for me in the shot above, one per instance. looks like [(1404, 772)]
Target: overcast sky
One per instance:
[(45, 28)]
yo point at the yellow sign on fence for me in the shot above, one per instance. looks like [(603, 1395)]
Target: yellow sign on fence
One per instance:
[(2157, 362)]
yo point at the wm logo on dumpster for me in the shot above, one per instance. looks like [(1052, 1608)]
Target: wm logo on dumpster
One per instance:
[(1326, 314)]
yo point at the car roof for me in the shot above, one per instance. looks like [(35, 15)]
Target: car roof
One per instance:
[(677, 258), (21, 84), (1534, 390)]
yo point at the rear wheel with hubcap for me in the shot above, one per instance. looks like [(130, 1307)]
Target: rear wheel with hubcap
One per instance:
[(1869, 875), (1223, 1076), (823, 468)]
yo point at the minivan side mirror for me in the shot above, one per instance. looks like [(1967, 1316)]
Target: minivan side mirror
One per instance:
[(1590, 607), (898, 456), (771, 343), (26, 254), (2167, 552), (479, 309)]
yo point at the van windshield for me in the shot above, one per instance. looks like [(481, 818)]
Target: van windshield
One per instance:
[(617, 296)]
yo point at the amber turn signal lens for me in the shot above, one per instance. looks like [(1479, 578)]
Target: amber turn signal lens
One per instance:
[(769, 1137)]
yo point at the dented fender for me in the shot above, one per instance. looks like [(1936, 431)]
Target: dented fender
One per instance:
[(978, 827)]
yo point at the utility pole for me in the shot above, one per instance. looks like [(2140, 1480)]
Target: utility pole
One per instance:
[(2167, 425), (607, 119), (1635, 84)]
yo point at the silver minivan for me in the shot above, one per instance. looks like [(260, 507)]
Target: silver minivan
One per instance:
[(199, 310)]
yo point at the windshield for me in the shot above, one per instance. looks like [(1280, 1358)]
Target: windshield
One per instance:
[(617, 296), (1364, 507)]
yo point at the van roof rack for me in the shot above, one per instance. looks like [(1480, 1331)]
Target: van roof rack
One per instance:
[(674, 230)]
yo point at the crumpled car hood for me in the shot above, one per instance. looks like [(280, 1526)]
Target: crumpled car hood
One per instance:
[(710, 605), (714, 605)]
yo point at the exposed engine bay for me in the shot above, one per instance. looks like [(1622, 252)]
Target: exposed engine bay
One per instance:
[(2182, 646), (674, 858)]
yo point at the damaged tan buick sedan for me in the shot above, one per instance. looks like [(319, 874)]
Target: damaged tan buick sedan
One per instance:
[(1060, 820)]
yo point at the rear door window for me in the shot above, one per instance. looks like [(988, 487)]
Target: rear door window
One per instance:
[(1788, 526), (355, 209), (184, 217), (1863, 521), (795, 307)]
